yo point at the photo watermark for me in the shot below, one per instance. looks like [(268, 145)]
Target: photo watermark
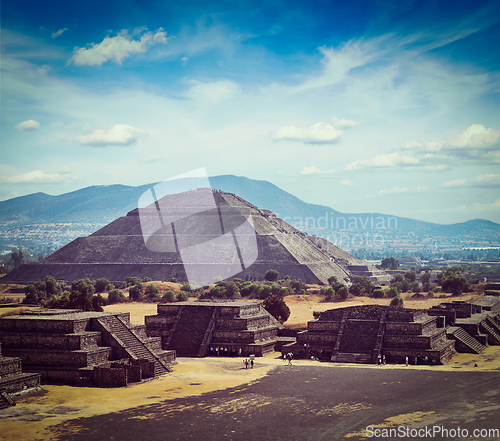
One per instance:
[(212, 241)]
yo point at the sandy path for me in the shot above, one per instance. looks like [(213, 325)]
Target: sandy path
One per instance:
[(32, 417)]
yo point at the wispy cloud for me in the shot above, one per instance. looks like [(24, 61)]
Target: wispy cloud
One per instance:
[(58, 33), (455, 183), (39, 177), (384, 161), (117, 48), (313, 170)]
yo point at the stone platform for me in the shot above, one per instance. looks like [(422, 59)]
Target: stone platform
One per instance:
[(198, 329), (361, 334), (13, 380), (83, 348)]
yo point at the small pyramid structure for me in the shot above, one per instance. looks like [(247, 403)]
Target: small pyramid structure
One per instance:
[(120, 250)]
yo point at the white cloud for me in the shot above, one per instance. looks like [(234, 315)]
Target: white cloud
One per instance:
[(346, 182), (312, 170), (475, 136), (212, 92), (118, 135), (455, 183), (59, 32), (394, 190), (184, 61), (489, 178), (388, 160), (319, 133), (116, 48), (28, 125), (38, 177), (344, 123), (438, 167), (476, 143)]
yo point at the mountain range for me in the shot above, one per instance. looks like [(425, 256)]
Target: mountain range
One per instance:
[(103, 204)]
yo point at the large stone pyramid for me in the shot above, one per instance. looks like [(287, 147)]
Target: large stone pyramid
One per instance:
[(140, 245)]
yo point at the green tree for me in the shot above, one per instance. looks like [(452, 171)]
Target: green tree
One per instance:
[(332, 280), (116, 296), (298, 285), (182, 296), (426, 278), (378, 293), (135, 292), (152, 291), (397, 301), (361, 286), (264, 291), (328, 292), (169, 296), (272, 275), (102, 285), (411, 276), (342, 293), (390, 263), (277, 307)]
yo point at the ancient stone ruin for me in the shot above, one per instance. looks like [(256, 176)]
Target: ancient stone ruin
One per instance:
[(83, 348), (118, 250), (198, 329), (368, 333), (13, 381), (360, 334)]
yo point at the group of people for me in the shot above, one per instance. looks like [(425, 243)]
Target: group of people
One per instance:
[(224, 352), (408, 360), (247, 362)]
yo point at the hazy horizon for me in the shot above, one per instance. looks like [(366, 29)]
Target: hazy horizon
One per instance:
[(384, 106)]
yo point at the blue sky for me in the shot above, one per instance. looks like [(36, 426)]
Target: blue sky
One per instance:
[(384, 106)]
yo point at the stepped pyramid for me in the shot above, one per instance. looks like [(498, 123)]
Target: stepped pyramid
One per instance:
[(141, 245)]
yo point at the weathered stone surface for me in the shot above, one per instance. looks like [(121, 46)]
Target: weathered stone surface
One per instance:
[(118, 250), (197, 329), (83, 348)]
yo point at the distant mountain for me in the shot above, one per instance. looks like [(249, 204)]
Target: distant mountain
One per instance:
[(102, 204)]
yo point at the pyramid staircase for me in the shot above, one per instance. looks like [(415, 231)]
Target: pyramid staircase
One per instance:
[(190, 330), (358, 341), (464, 341), (136, 346), (13, 380), (491, 328)]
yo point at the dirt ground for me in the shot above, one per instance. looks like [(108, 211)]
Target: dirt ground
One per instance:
[(44, 417), (64, 412)]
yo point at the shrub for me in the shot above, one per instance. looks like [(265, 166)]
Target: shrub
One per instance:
[(182, 296), (102, 285), (272, 275), (116, 296), (415, 286), (152, 291), (169, 296), (264, 291), (298, 285), (392, 292), (173, 280), (378, 294), (397, 301), (332, 280), (186, 287), (135, 292), (342, 293), (248, 289), (328, 292)]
